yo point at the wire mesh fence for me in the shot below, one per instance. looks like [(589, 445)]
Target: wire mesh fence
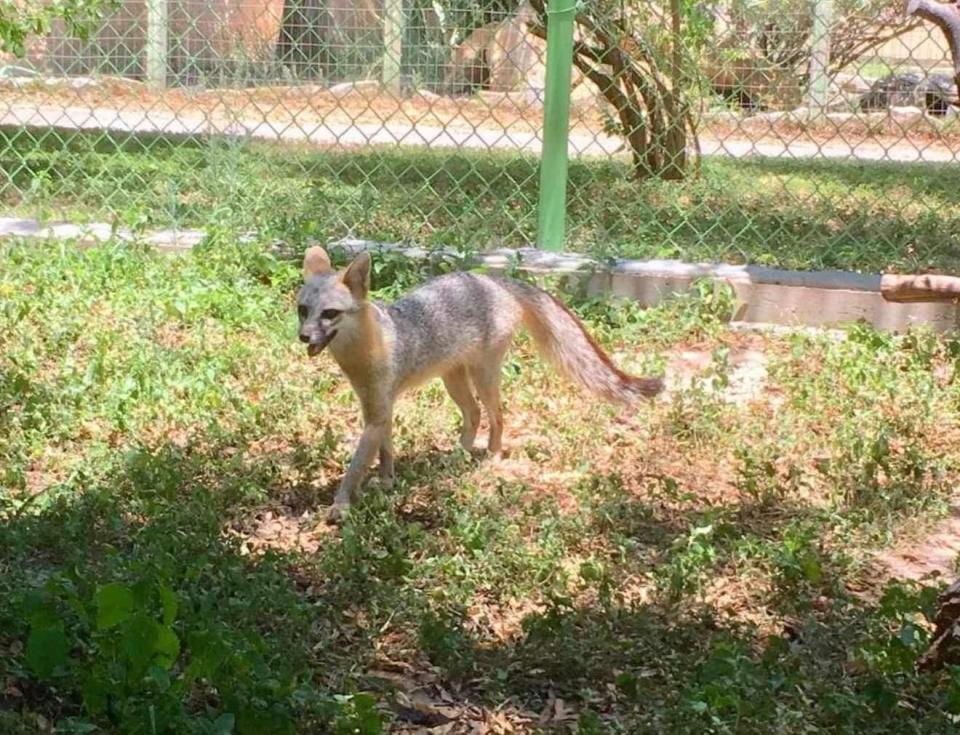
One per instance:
[(804, 134)]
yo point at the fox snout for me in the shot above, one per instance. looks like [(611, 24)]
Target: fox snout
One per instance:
[(316, 339)]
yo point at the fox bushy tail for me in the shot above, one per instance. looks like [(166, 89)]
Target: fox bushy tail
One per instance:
[(566, 344)]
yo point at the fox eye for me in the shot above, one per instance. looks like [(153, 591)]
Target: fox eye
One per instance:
[(302, 311), (330, 313)]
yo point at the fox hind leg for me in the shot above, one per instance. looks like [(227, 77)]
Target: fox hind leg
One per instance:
[(486, 379), (386, 456), (458, 386)]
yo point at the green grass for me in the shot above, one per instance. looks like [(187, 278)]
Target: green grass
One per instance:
[(795, 214), (697, 566)]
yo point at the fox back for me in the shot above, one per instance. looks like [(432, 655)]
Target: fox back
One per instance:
[(456, 319)]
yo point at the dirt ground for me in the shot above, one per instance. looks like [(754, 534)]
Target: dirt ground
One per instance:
[(928, 553)]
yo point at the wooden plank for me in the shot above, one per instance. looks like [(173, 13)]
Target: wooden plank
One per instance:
[(922, 288)]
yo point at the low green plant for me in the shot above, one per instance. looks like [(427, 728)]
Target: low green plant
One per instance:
[(774, 212)]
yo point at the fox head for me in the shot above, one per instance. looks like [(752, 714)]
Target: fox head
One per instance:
[(329, 303)]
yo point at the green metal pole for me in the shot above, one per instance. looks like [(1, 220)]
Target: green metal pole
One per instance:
[(392, 44), (556, 124), (157, 42), (820, 55)]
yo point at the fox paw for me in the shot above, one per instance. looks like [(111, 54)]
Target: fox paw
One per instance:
[(336, 513)]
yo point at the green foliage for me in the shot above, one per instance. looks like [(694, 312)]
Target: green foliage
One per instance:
[(681, 568), (358, 716), (132, 660), (141, 615), (701, 311), (762, 47), (733, 686), (691, 558), (797, 559), (20, 20)]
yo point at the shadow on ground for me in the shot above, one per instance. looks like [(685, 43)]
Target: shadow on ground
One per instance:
[(209, 624)]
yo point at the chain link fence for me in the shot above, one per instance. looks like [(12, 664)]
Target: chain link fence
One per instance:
[(809, 134)]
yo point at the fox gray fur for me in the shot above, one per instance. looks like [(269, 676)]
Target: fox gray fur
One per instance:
[(457, 327)]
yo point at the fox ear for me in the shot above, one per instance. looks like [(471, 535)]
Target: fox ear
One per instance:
[(315, 261), (357, 276)]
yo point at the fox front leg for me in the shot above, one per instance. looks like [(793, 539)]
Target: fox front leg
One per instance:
[(370, 443), (376, 438)]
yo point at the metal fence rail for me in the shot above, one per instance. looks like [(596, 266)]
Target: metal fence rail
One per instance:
[(806, 135)]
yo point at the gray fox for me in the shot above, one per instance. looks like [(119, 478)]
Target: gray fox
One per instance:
[(456, 327)]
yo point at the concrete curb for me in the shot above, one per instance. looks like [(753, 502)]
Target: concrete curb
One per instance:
[(820, 299)]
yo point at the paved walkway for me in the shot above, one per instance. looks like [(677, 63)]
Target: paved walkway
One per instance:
[(126, 122)]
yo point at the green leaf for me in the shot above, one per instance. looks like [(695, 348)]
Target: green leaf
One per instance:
[(812, 569), (140, 640), (253, 720), (364, 718), (224, 724), (207, 654), (908, 634), (40, 610), (953, 697), (73, 726), (589, 723), (927, 602), (627, 683), (114, 605), (160, 678), (95, 691), (171, 604), (45, 617), (142, 594), (46, 650), (881, 695), (166, 647)]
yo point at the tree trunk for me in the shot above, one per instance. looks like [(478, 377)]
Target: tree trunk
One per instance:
[(300, 47), (945, 648), (675, 147), (946, 16), (647, 90)]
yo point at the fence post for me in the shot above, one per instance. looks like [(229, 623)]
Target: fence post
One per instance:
[(556, 125), (392, 44), (157, 29), (819, 84)]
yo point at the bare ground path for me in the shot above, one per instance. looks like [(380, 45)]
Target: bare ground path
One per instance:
[(432, 133), (935, 553)]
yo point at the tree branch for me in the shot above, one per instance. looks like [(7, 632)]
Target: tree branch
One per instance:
[(947, 18)]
